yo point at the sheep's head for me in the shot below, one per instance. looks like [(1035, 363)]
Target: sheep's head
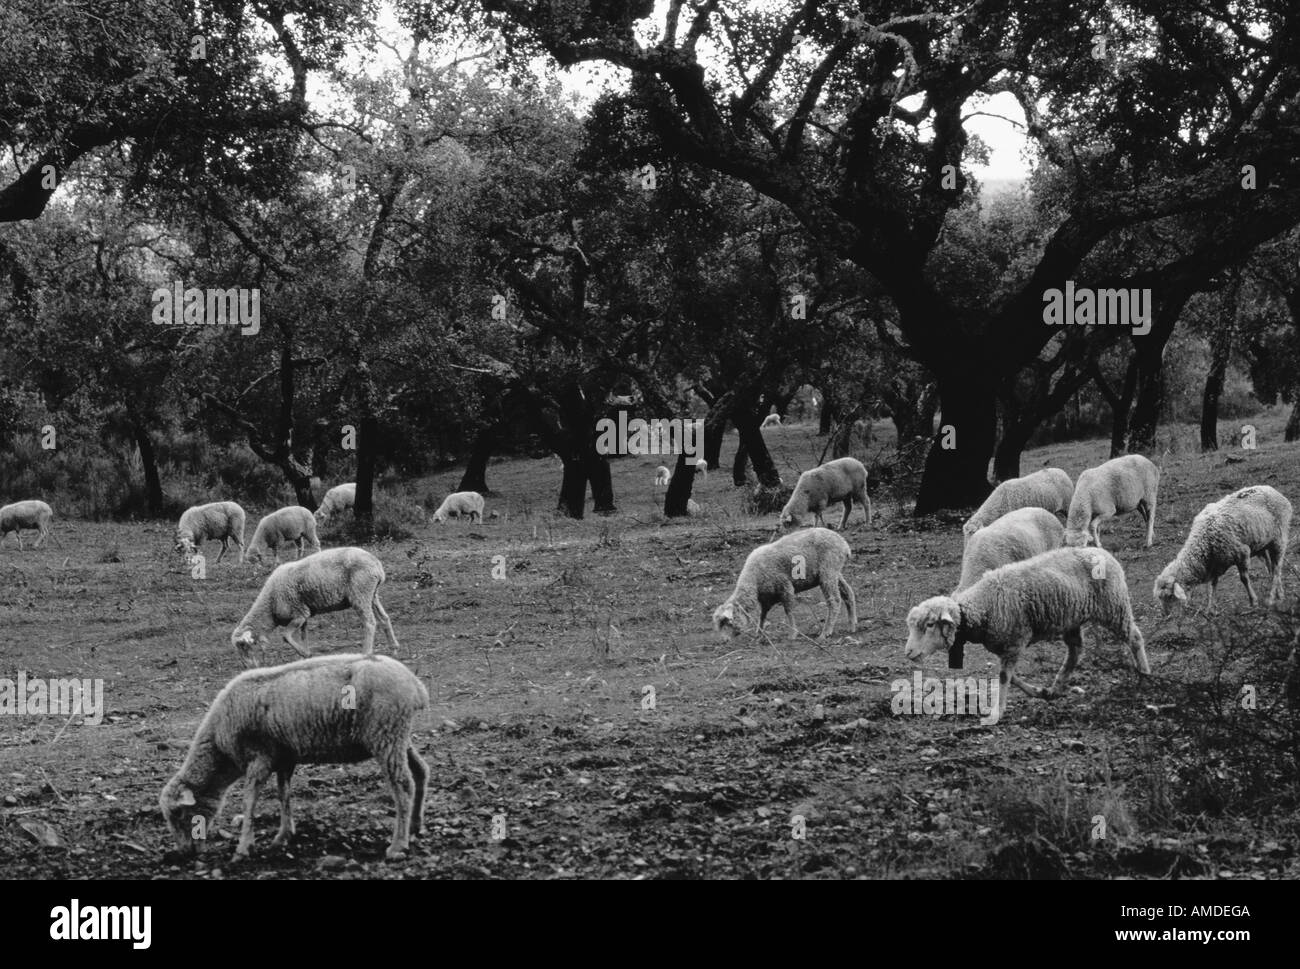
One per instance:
[(184, 543), (1077, 537), (320, 515), (731, 619), (932, 626), (1169, 592), (189, 815), (969, 529), (245, 641), (439, 516), (794, 508)]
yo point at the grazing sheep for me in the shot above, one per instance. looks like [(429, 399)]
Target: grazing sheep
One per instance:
[(337, 499), (325, 582), (808, 559), (339, 709), (662, 474), (702, 468), (217, 520), (772, 420), (1118, 486), (620, 400), (1048, 596), (1227, 532), (26, 514), (1049, 488), (1016, 536), (292, 524), (843, 479), (460, 504)]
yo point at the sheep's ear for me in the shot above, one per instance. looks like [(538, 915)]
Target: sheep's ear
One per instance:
[(1180, 593), (948, 616), (185, 797)]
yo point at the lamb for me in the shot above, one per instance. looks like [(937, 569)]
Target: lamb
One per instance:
[(772, 420), (1049, 488), (1253, 521), (217, 520), (808, 559), (843, 479), (702, 468), (1048, 596), (337, 499), (328, 581), (1118, 486), (291, 524), (460, 504), (340, 709), (1016, 536), (662, 474), (26, 514)]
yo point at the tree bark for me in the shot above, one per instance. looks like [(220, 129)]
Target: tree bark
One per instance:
[(1293, 422), (826, 418), (149, 462), (714, 432), (741, 461), (755, 449), (1150, 399), (1221, 346), (679, 487), (475, 476), (957, 476), (573, 488), (363, 510)]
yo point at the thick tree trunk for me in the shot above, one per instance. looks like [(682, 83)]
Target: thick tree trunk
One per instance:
[(826, 418), (1150, 399), (602, 481), (149, 462), (1120, 410), (740, 463), (475, 476), (679, 487), (1293, 422), (956, 476), (714, 432), (1222, 350), (755, 449), (1006, 459), (363, 509), (573, 488)]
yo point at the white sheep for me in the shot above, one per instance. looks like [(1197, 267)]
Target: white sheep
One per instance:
[(771, 420), (338, 499), (1253, 521), (662, 475), (693, 507), (292, 524), (702, 469), (328, 581), (773, 573), (26, 514), (843, 479), (1049, 488), (1017, 535), (1049, 596), (460, 504), (216, 521), (339, 709), (1120, 485)]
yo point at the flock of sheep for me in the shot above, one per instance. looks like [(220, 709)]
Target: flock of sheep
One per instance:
[(1025, 578)]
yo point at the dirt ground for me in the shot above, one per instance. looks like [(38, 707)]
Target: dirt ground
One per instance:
[(540, 719)]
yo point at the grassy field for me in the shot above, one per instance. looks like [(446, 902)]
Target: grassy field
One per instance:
[(537, 685)]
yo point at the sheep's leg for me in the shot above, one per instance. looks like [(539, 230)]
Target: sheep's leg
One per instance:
[(787, 603), (846, 591), (18, 534), (222, 553), (1096, 532), (420, 771), (284, 778), (1073, 646), (1138, 647), (1209, 602), (1151, 520), (1005, 677), (831, 591), (397, 767), (1278, 550), (848, 510), (254, 777), (866, 505), (40, 535), (388, 624), (298, 648), (1243, 570)]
